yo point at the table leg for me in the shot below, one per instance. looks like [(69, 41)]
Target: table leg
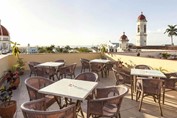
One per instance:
[(78, 108), (132, 86), (58, 100)]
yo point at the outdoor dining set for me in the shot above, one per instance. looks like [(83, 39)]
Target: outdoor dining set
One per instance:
[(56, 82)]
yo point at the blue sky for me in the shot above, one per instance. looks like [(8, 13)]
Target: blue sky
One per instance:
[(85, 22)]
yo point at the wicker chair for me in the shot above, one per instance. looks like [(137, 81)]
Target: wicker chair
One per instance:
[(149, 87), (32, 67), (68, 70), (37, 109), (107, 103), (41, 71), (143, 67), (170, 83), (109, 66), (97, 68), (85, 64), (33, 84), (123, 78), (87, 76), (58, 69), (60, 60), (46, 72)]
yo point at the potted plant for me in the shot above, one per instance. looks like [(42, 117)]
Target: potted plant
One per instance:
[(19, 66), (7, 106), (12, 78)]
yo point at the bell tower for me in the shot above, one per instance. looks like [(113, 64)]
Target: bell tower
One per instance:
[(141, 36)]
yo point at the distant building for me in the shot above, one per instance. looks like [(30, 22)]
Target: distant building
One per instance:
[(141, 37), (112, 47), (5, 45), (117, 47), (124, 42), (30, 49)]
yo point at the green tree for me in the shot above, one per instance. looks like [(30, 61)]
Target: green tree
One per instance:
[(50, 49), (83, 49), (41, 49), (172, 31), (67, 47), (103, 48), (58, 49)]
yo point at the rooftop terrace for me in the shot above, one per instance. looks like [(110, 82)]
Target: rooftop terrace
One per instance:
[(129, 108)]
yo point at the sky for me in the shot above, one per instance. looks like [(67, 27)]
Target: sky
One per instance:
[(85, 22)]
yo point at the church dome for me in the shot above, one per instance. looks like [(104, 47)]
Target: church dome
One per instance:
[(142, 17), (3, 31), (124, 37)]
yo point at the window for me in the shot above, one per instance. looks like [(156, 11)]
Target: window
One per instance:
[(138, 28), (144, 28)]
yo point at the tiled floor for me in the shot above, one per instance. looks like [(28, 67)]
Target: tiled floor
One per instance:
[(129, 108)]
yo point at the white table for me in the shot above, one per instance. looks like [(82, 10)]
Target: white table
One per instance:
[(148, 73), (51, 68), (145, 73), (100, 61), (70, 88), (50, 64)]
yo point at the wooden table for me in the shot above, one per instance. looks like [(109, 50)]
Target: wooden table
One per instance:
[(70, 88), (145, 73)]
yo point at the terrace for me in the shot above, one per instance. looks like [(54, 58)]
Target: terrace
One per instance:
[(129, 108)]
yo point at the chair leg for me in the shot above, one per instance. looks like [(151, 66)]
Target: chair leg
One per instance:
[(142, 96), (138, 93), (154, 98), (30, 73), (132, 89), (163, 97), (160, 105), (119, 115), (81, 69)]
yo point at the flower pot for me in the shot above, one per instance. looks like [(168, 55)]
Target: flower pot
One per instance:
[(21, 72), (17, 82), (8, 109)]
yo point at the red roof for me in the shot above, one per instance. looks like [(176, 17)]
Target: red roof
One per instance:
[(3, 31), (142, 17), (124, 37)]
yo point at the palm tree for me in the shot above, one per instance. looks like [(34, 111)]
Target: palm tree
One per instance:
[(172, 31)]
